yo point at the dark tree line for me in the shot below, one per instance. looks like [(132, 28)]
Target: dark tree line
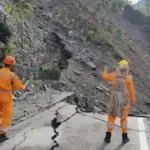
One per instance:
[(136, 16)]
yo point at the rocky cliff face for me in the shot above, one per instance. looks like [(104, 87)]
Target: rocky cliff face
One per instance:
[(61, 34)]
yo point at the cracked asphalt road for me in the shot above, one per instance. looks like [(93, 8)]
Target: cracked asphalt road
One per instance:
[(25, 137), (75, 131)]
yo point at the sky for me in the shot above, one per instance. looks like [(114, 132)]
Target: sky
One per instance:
[(134, 1)]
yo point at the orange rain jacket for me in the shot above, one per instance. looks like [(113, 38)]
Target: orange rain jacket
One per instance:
[(6, 93)]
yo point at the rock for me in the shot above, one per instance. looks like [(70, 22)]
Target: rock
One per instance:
[(56, 85), (56, 41), (107, 94), (71, 35), (2, 11), (72, 42), (63, 64), (134, 111), (32, 86), (77, 72), (63, 83), (65, 56), (94, 74), (95, 101), (105, 88), (45, 87), (48, 15), (91, 65), (77, 57), (147, 101), (84, 85), (14, 98), (97, 109), (17, 93), (65, 52), (102, 88), (102, 104), (83, 39)]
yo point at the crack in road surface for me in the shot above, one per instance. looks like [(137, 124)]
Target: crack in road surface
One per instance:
[(55, 124), (25, 137), (114, 124)]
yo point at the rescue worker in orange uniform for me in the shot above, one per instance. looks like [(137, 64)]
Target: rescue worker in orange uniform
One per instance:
[(8, 82), (122, 98)]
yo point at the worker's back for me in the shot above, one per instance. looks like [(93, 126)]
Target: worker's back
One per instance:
[(113, 79), (5, 79)]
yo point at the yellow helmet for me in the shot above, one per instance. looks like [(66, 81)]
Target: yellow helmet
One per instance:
[(123, 63)]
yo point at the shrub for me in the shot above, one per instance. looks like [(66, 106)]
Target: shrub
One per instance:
[(37, 83), (138, 17), (5, 33), (2, 54), (117, 5), (49, 74), (117, 56), (103, 38), (147, 20), (146, 28), (5, 36), (128, 11), (8, 49), (119, 34), (11, 47), (21, 9)]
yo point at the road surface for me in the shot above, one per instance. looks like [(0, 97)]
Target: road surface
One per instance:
[(77, 131)]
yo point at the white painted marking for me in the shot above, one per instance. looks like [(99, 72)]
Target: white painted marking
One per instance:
[(142, 136)]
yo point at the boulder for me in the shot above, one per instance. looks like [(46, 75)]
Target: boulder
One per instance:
[(77, 72), (91, 65)]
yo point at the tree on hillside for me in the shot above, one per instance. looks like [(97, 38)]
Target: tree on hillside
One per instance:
[(5, 33), (118, 5), (147, 5)]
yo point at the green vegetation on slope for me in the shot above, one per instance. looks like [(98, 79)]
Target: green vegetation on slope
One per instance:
[(50, 74), (5, 35), (21, 9), (100, 37)]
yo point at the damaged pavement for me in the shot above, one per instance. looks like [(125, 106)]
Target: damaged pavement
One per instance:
[(65, 127)]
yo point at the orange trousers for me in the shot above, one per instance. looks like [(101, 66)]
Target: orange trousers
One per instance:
[(123, 122), (5, 112)]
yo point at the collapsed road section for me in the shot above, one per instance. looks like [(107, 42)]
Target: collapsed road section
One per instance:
[(56, 122), (62, 127)]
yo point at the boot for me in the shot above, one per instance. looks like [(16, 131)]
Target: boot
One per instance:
[(125, 138), (3, 137), (108, 137)]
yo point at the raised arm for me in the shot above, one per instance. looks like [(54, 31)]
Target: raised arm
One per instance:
[(17, 84), (106, 76)]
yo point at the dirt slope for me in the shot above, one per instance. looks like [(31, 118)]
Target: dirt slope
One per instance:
[(134, 47), (60, 30)]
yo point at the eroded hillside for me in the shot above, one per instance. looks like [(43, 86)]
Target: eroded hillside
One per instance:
[(78, 38)]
